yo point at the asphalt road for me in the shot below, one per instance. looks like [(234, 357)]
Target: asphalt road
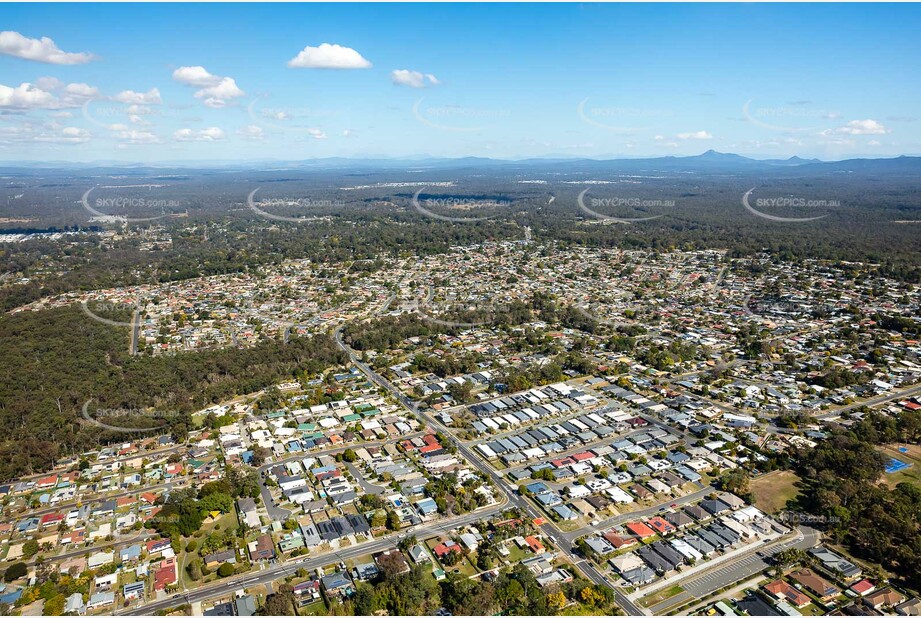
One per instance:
[(549, 529), (736, 570), (277, 570), (906, 392)]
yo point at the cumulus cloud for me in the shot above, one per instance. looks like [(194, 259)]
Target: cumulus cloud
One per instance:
[(27, 96), (67, 135), (276, 115), (211, 134), (130, 136), (46, 93), (251, 132), (197, 76), (40, 50), (214, 89), (695, 135), (413, 79), (46, 133), (151, 97), (82, 91), (859, 127), (329, 56), (139, 110), (316, 133)]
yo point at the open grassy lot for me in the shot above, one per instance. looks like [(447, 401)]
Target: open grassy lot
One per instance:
[(774, 489), (661, 595)]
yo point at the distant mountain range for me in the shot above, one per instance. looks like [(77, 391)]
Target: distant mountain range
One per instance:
[(710, 161)]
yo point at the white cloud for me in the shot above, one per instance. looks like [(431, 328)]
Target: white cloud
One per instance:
[(211, 134), (138, 137), (214, 89), (329, 56), (139, 120), (82, 91), (62, 115), (67, 135), (48, 83), (139, 110), (47, 93), (251, 132), (859, 127), (27, 96), (40, 50), (874, 142), (226, 89), (695, 135), (46, 133), (151, 97), (413, 79), (316, 133), (195, 76), (276, 115)]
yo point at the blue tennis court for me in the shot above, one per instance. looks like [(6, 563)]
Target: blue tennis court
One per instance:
[(896, 465)]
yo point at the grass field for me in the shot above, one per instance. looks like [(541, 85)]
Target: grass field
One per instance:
[(774, 489), (661, 595), (911, 474)]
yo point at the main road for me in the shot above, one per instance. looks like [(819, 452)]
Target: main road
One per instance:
[(276, 570), (559, 539)]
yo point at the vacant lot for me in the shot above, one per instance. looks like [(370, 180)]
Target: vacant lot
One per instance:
[(661, 595), (774, 489)]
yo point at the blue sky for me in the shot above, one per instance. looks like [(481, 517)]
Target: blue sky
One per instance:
[(207, 82)]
